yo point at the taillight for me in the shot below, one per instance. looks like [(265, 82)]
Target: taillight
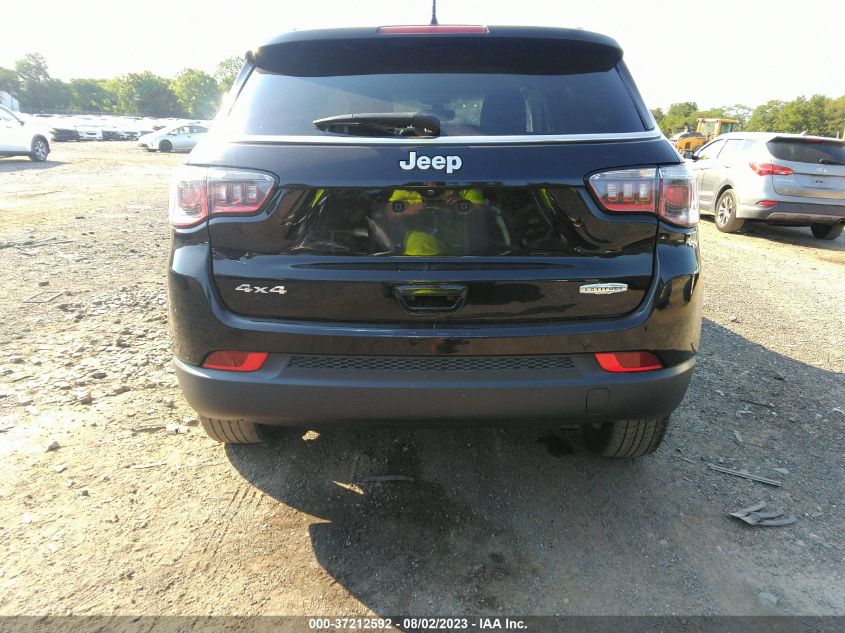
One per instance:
[(200, 192), (669, 192), (626, 189), (620, 362), (235, 361), (770, 169)]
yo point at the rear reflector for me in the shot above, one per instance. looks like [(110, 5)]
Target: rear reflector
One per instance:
[(425, 29), (770, 169), (618, 362), (235, 361), (767, 203)]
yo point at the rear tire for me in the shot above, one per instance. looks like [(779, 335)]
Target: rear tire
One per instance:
[(626, 438), (827, 231), (40, 150), (233, 431), (165, 146), (726, 220)]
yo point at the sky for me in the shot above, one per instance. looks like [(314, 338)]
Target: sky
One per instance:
[(712, 52)]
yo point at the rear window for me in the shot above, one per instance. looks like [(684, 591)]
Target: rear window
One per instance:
[(808, 151), (472, 90)]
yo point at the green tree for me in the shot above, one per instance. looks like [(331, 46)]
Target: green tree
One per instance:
[(37, 91), (764, 116), (835, 117), (145, 94), (197, 92), (802, 115), (9, 81), (227, 71), (91, 95), (712, 113), (739, 112), (678, 117), (32, 68), (658, 114)]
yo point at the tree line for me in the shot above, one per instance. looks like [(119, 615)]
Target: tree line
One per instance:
[(191, 93), (818, 115)]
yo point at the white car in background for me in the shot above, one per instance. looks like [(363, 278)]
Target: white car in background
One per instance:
[(23, 137), (89, 131), (179, 137)]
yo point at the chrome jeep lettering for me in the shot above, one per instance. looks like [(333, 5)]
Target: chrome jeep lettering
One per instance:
[(450, 163)]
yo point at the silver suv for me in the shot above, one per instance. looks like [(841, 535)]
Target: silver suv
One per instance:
[(785, 179)]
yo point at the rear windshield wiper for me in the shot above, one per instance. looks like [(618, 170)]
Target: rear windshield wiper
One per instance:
[(381, 124), (830, 161)]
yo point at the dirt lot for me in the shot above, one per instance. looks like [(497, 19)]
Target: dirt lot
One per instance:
[(103, 512)]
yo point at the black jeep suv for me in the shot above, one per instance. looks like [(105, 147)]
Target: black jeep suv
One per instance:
[(433, 225)]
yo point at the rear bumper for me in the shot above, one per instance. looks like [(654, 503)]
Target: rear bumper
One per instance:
[(667, 323), (286, 395), (794, 212)]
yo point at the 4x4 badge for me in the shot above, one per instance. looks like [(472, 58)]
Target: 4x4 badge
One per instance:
[(262, 290), (449, 163), (603, 289)]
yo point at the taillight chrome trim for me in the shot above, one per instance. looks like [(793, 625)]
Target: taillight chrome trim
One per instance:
[(510, 139)]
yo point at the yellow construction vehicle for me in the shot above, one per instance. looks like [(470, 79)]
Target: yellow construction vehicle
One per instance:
[(706, 130)]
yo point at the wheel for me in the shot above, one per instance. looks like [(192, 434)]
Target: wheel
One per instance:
[(626, 438), (40, 150), (165, 146), (726, 220), (827, 231), (233, 431)]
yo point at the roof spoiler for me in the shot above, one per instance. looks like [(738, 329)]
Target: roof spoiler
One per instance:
[(475, 53)]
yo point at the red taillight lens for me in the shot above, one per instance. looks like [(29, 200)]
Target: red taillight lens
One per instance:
[(200, 192), (669, 192), (235, 361), (770, 169), (423, 29), (626, 189), (618, 362), (678, 201)]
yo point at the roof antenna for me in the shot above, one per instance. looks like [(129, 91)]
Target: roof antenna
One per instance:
[(433, 13)]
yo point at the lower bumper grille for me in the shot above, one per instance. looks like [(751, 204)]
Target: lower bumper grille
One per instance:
[(431, 363)]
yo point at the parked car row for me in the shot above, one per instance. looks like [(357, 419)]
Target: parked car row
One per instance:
[(30, 135), (100, 128)]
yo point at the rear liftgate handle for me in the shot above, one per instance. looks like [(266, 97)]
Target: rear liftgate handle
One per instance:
[(431, 298)]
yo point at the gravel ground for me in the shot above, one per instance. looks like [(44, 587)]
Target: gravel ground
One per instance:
[(103, 512)]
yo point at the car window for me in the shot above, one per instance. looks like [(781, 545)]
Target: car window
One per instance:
[(199, 130), (466, 104), (809, 150), (473, 86), (5, 116), (711, 150), (731, 149)]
